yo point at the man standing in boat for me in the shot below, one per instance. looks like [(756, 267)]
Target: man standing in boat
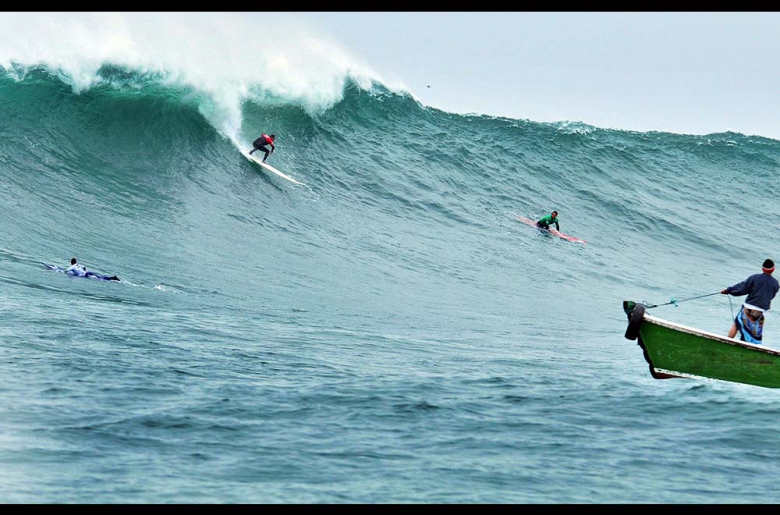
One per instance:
[(760, 290)]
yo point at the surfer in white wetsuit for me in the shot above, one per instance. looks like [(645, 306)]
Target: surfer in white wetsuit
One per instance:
[(80, 271), (76, 269)]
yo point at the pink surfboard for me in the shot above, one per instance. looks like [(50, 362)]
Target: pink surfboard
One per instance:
[(559, 234)]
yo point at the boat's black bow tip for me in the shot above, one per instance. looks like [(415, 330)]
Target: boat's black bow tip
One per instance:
[(635, 312)]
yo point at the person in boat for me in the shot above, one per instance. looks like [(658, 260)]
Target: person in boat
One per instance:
[(261, 142), (549, 220), (760, 290), (79, 270)]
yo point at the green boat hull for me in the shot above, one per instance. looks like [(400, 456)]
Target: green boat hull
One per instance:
[(675, 350)]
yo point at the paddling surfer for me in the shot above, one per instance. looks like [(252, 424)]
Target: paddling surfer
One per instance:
[(79, 270), (549, 220)]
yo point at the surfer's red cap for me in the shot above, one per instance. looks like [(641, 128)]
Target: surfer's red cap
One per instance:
[(768, 267)]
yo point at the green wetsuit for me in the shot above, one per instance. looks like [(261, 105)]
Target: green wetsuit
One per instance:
[(548, 220)]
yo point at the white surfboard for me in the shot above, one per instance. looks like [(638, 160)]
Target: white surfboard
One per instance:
[(270, 168)]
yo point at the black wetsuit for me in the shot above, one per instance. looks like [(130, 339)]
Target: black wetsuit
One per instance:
[(260, 144)]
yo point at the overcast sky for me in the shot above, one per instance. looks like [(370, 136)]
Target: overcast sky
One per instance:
[(682, 72)]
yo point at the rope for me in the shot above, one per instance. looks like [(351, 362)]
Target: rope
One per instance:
[(675, 301), (731, 308)]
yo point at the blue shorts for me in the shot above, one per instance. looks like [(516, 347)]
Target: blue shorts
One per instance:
[(750, 331)]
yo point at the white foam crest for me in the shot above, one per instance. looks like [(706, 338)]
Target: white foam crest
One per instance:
[(228, 57)]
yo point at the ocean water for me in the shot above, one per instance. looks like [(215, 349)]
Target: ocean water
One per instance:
[(386, 333)]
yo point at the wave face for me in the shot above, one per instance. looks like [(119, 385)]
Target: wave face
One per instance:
[(388, 332)]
